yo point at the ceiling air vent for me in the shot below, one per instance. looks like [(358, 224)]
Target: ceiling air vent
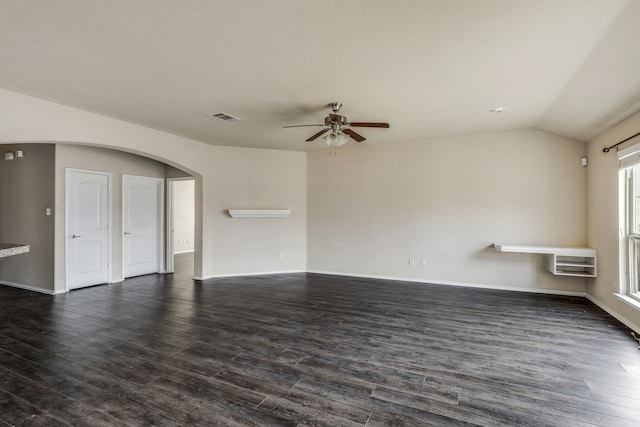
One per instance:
[(224, 116)]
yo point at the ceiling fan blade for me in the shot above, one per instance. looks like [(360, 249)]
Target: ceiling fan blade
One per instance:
[(301, 126), (369, 125), (355, 135), (318, 134)]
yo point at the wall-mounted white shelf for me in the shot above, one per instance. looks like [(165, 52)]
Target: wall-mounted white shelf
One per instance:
[(259, 213), (561, 261)]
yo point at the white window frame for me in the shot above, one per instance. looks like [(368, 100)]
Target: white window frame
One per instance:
[(629, 168), (631, 236)]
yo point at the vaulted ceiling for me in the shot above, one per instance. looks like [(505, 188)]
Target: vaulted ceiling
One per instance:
[(428, 67)]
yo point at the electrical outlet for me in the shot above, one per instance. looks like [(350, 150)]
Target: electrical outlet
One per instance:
[(281, 255), (412, 262), (423, 263)]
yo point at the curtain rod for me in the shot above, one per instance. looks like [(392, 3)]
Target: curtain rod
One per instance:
[(607, 149)]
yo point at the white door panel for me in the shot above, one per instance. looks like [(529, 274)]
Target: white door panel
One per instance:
[(141, 220), (87, 228)]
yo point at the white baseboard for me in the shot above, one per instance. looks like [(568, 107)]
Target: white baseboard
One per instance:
[(31, 288), (628, 323), (462, 284), (261, 273), (183, 252)]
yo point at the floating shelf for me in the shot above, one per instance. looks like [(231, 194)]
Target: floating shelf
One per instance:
[(561, 261), (259, 213)]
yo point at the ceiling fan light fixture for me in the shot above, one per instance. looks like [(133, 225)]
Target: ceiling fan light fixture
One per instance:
[(340, 128), (335, 139)]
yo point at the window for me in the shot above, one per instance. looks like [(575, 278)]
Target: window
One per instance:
[(632, 220), (630, 223)]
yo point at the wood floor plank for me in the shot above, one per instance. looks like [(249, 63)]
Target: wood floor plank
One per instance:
[(307, 415), (311, 350)]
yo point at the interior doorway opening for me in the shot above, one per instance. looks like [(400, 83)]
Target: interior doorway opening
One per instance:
[(180, 225)]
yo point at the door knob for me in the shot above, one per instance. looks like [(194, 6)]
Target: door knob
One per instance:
[(126, 233), (75, 236)]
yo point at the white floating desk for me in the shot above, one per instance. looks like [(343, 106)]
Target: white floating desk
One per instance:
[(561, 261)]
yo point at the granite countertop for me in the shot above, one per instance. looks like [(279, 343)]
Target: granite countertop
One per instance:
[(10, 249)]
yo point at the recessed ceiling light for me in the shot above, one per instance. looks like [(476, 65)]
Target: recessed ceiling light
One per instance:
[(496, 110)]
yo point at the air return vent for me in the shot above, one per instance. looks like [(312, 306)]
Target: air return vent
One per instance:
[(224, 116)]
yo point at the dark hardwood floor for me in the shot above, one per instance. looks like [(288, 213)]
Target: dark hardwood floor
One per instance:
[(305, 349), (183, 263)]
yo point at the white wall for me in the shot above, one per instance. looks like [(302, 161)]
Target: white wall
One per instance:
[(604, 225), (183, 216), (446, 200), (225, 177), (247, 178)]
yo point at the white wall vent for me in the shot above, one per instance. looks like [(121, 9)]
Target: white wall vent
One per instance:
[(224, 116)]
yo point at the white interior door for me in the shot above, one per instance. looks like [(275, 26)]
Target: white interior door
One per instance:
[(87, 228), (141, 221)]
